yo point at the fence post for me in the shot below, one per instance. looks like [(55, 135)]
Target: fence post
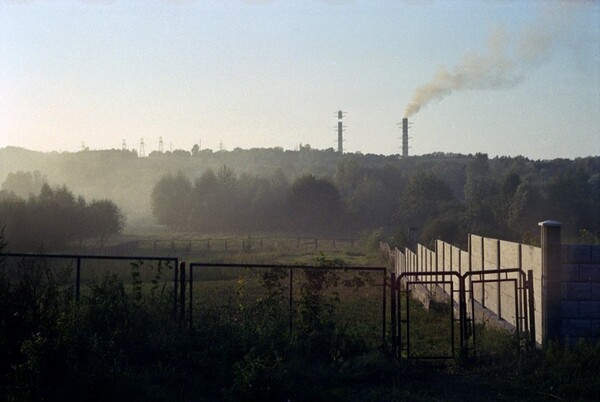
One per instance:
[(499, 286), (462, 312), (531, 308), (481, 277), (182, 291), (190, 308), (175, 287), (393, 310), (291, 300), (551, 284), (78, 279), (384, 308)]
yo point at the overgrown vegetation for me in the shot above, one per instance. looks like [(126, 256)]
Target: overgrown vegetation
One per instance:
[(120, 342)]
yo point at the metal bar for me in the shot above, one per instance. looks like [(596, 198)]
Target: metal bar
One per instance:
[(383, 311), (291, 301), (190, 309), (393, 309), (531, 307), (452, 317), (182, 290), (175, 287), (311, 267), (78, 279), (498, 290), (88, 257), (517, 307), (407, 321), (462, 311), (398, 309)]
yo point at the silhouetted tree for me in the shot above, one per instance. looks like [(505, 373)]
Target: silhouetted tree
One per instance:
[(171, 201), (316, 204), (24, 184)]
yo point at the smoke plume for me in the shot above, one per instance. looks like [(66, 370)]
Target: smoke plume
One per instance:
[(503, 64)]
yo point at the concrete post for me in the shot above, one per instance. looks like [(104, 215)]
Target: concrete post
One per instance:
[(551, 284)]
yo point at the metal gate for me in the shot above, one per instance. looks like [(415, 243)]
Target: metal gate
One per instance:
[(455, 290)]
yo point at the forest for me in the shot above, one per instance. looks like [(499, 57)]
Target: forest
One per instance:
[(306, 191)]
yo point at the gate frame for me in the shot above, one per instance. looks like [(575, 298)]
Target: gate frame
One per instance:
[(524, 302)]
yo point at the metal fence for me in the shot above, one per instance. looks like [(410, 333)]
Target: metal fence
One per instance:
[(247, 244), (355, 295), (80, 271)]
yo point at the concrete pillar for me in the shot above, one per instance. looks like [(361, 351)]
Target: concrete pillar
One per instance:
[(551, 279)]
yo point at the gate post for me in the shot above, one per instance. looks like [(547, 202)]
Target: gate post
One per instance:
[(175, 288), (393, 310), (531, 308), (182, 291), (462, 312), (78, 279), (551, 284)]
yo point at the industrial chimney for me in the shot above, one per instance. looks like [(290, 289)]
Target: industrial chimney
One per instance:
[(405, 137)]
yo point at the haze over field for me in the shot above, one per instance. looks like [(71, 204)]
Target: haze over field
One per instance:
[(504, 78)]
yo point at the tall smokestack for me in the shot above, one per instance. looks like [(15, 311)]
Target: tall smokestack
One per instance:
[(405, 137), (340, 130)]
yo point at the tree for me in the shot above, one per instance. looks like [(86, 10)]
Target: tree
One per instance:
[(24, 184), (316, 204), (571, 201), (429, 204), (106, 219), (171, 201), (55, 218), (479, 196)]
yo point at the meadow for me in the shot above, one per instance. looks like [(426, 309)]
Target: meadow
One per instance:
[(121, 342)]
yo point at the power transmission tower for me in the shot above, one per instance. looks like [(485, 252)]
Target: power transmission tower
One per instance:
[(142, 150)]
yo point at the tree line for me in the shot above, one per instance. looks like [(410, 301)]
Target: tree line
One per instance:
[(446, 199), (52, 218), (439, 194)]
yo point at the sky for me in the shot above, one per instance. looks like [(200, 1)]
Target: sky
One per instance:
[(501, 77)]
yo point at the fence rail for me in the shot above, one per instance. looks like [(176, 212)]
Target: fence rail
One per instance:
[(79, 259), (248, 243)]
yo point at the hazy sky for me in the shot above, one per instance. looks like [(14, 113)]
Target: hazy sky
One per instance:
[(502, 77)]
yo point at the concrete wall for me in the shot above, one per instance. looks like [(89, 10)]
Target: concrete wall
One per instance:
[(566, 281), (484, 254)]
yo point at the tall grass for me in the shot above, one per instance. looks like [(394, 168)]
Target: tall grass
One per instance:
[(120, 343)]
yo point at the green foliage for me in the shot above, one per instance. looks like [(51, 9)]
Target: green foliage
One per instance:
[(171, 200), (56, 218), (316, 204), (121, 344)]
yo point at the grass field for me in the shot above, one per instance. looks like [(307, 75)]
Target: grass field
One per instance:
[(119, 342)]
